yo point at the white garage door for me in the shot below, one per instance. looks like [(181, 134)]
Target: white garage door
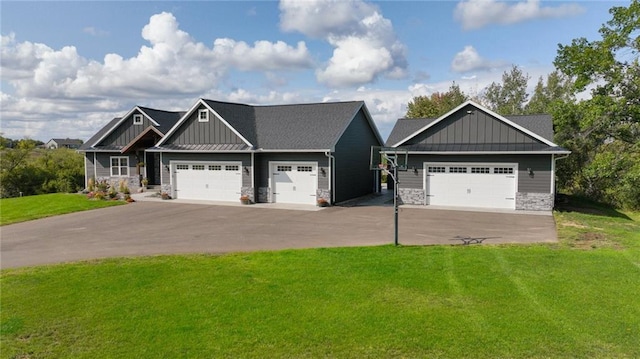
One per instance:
[(212, 181), (294, 182), (471, 185)]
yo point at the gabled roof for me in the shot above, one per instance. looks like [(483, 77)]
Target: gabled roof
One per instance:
[(66, 141), (305, 126), (539, 127), (162, 120), (313, 126)]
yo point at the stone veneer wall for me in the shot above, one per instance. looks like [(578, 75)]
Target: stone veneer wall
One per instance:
[(248, 191), (324, 194), (411, 195), (264, 194), (133, 183), (534, 201)]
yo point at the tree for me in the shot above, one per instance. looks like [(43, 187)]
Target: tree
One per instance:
[(509, 97), (437, 104), (559, 88), (604, 131)]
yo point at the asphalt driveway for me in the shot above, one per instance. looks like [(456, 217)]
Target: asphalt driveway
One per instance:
[(151, 228)]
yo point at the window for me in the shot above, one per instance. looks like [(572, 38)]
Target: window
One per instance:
[(231, 168), (182, 167), (119, 166), (436, 169), (304, 168), (215, 168), (503, 170), (203, 115), (283, 168), (197, 167), (137, 119), (480, 170), (457, 169)]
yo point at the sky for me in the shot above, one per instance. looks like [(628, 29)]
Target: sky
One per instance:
[(68, 68)]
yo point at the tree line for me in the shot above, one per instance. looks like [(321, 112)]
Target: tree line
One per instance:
[(28, 170), (602, 132)]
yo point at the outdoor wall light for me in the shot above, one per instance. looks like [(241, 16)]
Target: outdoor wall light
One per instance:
[(166, 167), (415, 170), (531, 174), (323, 172), (246, 169)]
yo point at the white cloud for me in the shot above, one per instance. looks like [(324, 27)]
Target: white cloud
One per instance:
[(469, 60), (94, 31), (45, 85), (365, 44), (174, 64), (475, 14)]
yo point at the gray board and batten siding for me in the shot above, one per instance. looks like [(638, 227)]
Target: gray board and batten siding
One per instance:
[(352, 156), (193, 132), (472, 126), (540, 165), (126, 131)]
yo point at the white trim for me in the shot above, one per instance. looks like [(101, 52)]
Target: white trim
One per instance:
[(553, 175), (206, 117), (161, 171), (86, 175), (488, 153), (190, 112), (481, 108), (196, 151), (119, 166), (253, 178), (138, 119), (272, 165), (122, 119), (95, 167)]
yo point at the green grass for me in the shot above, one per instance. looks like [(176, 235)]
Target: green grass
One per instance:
[(14, 210), (575, 299)]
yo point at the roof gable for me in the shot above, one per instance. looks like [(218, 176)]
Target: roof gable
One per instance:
[(486, 130), (207, 104)]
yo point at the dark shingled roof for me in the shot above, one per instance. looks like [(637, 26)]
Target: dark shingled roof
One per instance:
[(239, 116), (204, 147), (542, 125), (314, 126), (88, 145), (303, 126), (166, 119)]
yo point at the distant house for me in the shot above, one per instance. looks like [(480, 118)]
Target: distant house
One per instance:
[(473, 157), (219, 151), (72, 143)]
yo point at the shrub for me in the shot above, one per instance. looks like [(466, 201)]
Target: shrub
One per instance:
[(100, 195)]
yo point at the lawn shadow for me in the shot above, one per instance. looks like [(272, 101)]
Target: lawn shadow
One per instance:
[(570, 203)]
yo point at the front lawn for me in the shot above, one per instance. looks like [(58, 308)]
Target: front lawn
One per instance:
[(574, 299), (20, 209)]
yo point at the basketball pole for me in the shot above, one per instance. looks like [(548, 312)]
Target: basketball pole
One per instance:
[(395, 203)]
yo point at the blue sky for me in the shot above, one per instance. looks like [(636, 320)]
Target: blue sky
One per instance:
[(70, 67)]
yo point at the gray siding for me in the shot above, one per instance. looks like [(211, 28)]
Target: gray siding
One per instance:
[(103, 164), (262, 166), (236, 157), (126, 131), (471, 128), (193, 132), (540, 164), (353, 151), (89, 166)]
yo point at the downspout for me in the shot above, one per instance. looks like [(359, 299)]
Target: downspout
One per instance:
[(332, 176), (553, 178), (253, 175)]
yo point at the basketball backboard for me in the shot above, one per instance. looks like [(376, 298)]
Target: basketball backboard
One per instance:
[(385, 158)]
